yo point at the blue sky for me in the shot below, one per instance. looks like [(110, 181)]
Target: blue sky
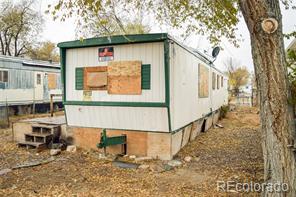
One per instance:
[(57, 31)]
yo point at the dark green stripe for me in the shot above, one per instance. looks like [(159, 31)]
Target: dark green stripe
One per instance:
[(63, 71), (167, 79), (114, 40), (119, 104)]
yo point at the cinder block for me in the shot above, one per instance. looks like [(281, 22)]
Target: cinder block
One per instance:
[(159, 145), (186, 135), (209, 122), (196, 128), (216, 117), (176, 141), (19, 130)]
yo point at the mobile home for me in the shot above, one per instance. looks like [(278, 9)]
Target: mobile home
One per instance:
[(150, 87), (25, 82)]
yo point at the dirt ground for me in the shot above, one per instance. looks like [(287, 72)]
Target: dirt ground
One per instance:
[(220, 154)]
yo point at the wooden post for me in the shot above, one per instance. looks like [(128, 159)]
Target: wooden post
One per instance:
[(51, 105), (7, 113)]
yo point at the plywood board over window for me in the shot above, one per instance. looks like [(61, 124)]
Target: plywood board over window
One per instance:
[(213, 80), (124, 77), (95, 78), (218, 80), (52, 81), (203, 81)]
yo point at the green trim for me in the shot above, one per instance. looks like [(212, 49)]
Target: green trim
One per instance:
[(114, 40), (167, 79), (120, 129), (118, 104), (79, 78), (146, 77), (63, 71)]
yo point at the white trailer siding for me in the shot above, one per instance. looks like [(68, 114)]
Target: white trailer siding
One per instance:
[(171, 103), (130, 118), (133, 118), (148, 53), (185, 104)]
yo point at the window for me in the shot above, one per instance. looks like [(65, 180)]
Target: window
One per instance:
[(38, 81), (213, 81), (95, 78), (222, 81), (218, 80), (203, 81), (3, 76)]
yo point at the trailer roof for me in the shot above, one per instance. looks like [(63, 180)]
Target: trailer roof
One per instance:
[(129, 39), (30, 62), (110, 40)]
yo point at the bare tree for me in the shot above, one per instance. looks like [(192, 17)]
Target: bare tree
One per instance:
[(19, 27)]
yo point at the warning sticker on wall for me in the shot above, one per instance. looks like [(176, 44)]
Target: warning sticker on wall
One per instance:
[(106, 54), (87, 95)]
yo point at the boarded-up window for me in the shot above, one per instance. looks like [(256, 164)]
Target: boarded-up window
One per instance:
[(213, 80), (95, 78), (146, 76), (52, 81), (203, 81), (79, 74), (124, 77), (218, 82)]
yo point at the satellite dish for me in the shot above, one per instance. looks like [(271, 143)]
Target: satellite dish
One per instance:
[(215, 52)]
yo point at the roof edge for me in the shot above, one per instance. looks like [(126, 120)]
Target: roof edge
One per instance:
[(110, 40)]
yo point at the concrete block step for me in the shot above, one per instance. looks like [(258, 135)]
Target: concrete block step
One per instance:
[(38, 137), (49, 126), (28, 145), (39, 134), (46, 128)]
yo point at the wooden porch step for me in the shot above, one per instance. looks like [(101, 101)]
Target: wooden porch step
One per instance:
[(38, 145)]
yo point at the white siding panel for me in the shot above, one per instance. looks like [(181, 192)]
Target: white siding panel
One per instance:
[(133, 118), (185, 104), (148, 53)]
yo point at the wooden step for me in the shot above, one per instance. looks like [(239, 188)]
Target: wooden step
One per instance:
[(28, 145)]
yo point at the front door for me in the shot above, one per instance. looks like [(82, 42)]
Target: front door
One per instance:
[(38, 84)]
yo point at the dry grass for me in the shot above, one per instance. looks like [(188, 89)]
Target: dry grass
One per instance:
[(231, 153)]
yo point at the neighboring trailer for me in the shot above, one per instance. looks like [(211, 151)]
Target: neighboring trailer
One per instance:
[(149, 87), (26, 83)]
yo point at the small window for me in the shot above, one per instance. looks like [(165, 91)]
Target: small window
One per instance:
[(38, 79), (213, 81), (222, 81), (3, 76), (218, 80)]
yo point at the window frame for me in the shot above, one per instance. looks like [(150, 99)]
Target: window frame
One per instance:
[(3, 78)]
